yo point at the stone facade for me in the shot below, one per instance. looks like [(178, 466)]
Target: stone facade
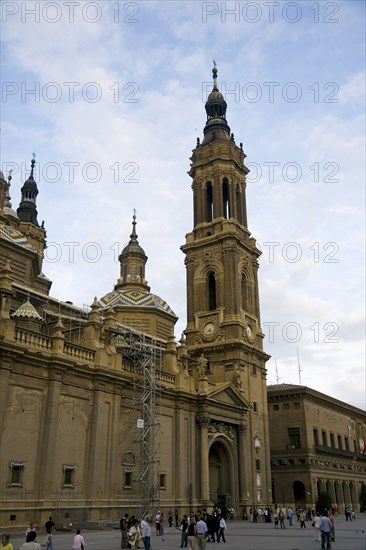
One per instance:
[(317, 444), (93, 399)]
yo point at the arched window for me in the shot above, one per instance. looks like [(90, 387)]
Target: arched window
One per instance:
[(238, 204), (211, 291), (225, 199), (209, 202), (245, 301)]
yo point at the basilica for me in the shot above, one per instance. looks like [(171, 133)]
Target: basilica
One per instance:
[(103, 410)]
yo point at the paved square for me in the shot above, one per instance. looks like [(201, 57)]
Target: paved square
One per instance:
[(240, 535)]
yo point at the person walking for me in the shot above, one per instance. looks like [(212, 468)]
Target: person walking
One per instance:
[(326, 529), (5, 544), (48, 542), (302, 520), (201, 530), (191, 532), (79, 542), (222, 529)]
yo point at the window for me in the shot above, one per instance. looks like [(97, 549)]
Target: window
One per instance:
[(225, 199), (211, 291), (162, 481), (209, 202), (16, 473), (296, 405), (294, 438), (315, 436), (324, 438), (128, 479), (339, 439), (346, 442), (254, 370), (257, 464), (286, 406), (276, 407), (69, 472), (332, 444), (255, 407)]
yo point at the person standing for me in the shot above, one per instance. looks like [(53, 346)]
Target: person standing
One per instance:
[(29, 529), (184, 532), (191, 532), (222, 529), (170, 518), (79, 542), (134, 534), (201, 530), (281, 517), (31, 543), (290, 516), (326, 529), (124, 531), (157, 523), (146, 533), (316, 525), (5, 544)]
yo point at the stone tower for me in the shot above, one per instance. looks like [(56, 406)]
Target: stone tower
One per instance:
[(223, 316)]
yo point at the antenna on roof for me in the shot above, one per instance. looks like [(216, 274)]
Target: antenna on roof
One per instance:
[(298, 365), (277, 377)]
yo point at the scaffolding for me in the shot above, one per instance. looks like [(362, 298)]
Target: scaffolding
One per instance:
[(145, 353)]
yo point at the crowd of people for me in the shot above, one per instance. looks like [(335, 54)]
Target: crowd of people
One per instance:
[(197, 528)]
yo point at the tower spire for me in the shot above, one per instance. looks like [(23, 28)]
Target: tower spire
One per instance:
[(27, 210), (216, 124), (133, 260)]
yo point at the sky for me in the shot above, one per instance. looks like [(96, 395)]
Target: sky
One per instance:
[(110, 97)]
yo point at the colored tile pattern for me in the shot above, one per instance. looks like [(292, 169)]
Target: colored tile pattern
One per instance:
[(134, 297), (12, 235)]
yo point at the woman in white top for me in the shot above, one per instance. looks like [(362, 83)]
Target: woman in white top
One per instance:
[(79, 542), (30, 543)]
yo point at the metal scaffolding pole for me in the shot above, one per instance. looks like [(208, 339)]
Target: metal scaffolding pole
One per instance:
[(146, 355)]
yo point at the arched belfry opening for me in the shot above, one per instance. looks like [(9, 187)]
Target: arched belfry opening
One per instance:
[(209, 202), (226, 199), (221, 475), (211, 287)]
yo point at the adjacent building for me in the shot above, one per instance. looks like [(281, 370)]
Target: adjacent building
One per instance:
[(317, 443)]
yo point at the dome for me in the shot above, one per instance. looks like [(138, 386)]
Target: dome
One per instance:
[(134, 297), (26, 311), (133, 247)]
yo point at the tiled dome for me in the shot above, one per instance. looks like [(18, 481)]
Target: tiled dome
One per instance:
[(134, 297)]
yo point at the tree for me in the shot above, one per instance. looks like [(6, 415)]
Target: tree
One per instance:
[(363, 497), (324, 502)]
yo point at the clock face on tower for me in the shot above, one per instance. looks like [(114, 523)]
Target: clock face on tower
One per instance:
[(249, 331), (209, 328)]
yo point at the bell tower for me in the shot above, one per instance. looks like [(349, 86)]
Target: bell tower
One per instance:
[(223, 317)]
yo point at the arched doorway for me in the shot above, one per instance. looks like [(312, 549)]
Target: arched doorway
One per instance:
[(222, 477), (299, 494)]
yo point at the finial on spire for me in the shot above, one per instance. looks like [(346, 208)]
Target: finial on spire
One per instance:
[(133, 235), (33, 162), (214, 74)]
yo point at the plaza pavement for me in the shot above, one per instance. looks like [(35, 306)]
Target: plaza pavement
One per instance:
[(241, 535)]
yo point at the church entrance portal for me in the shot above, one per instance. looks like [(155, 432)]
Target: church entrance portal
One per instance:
[(220, 471)]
